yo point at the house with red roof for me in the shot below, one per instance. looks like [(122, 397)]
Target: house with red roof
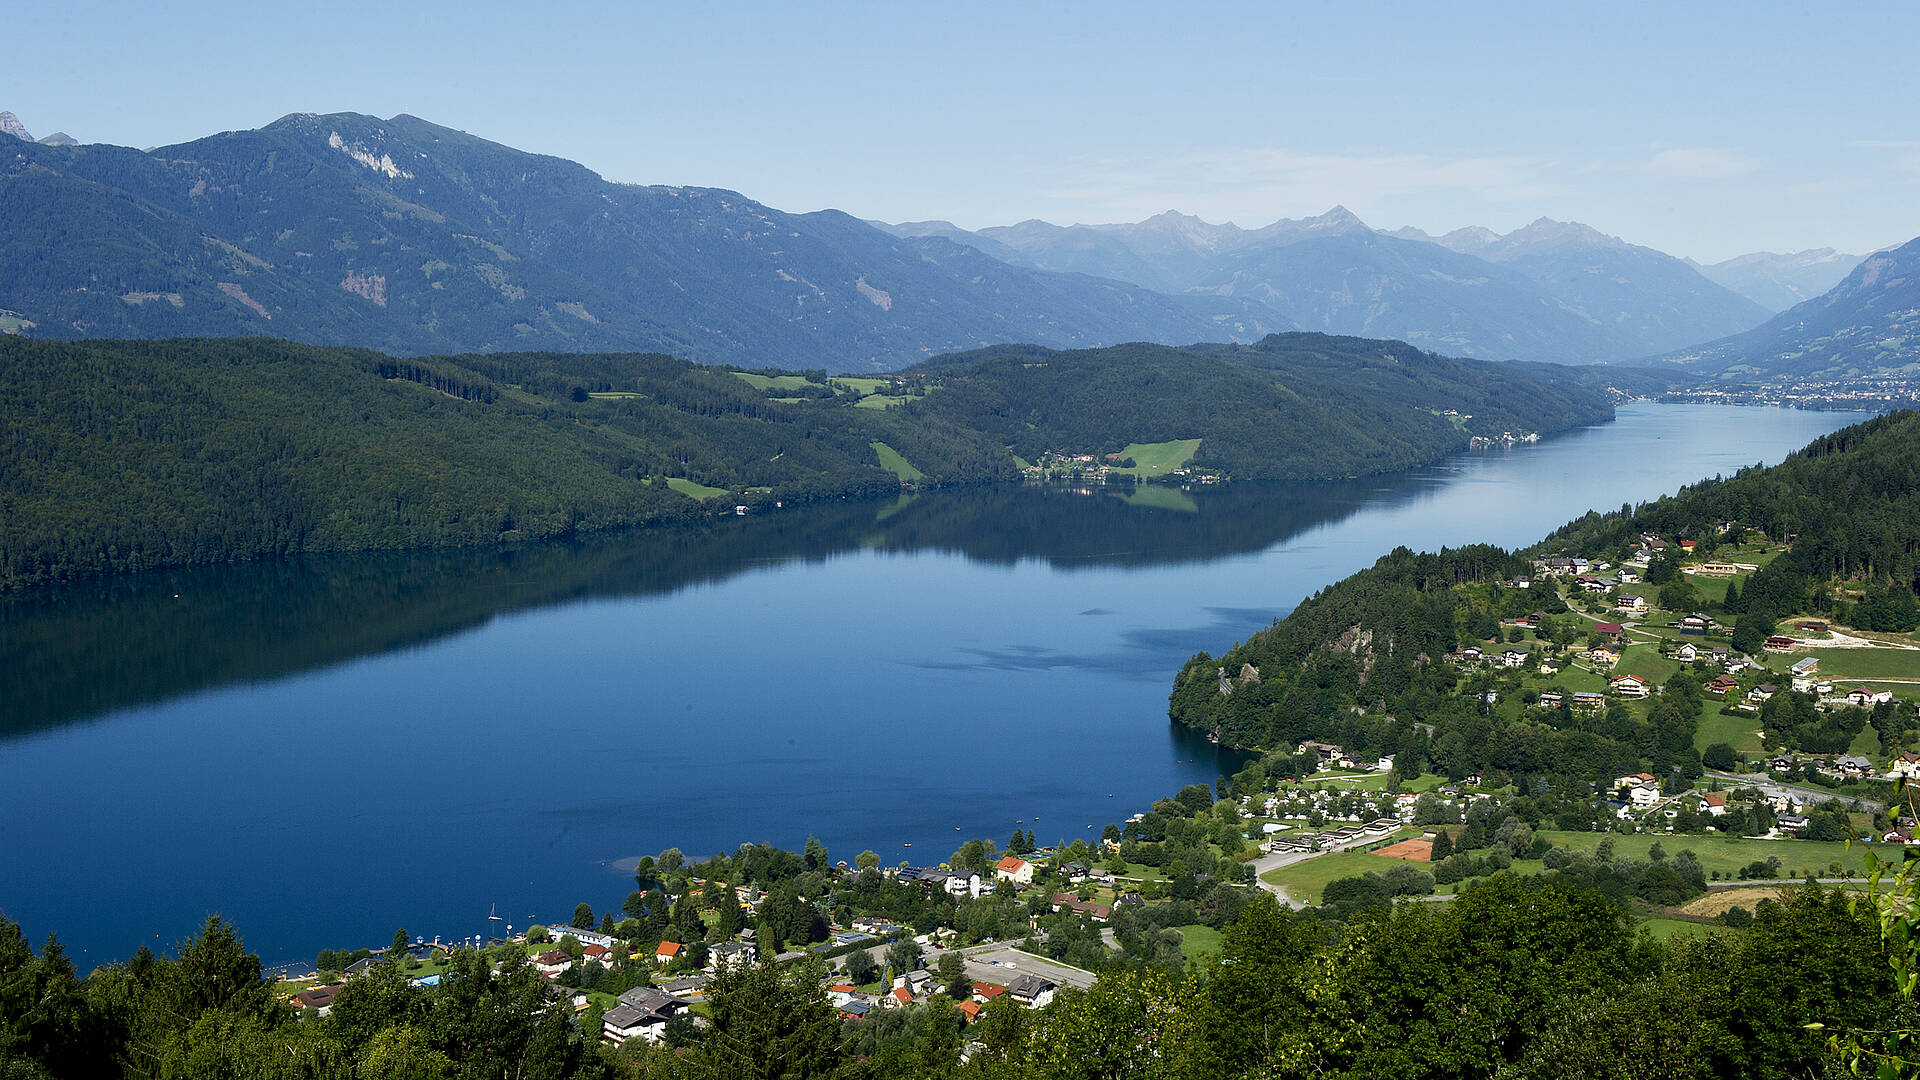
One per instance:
[(666, 953)]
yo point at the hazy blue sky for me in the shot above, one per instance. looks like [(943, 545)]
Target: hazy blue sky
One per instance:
[(1708, 131)]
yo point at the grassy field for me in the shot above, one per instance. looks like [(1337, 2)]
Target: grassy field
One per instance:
[(1739, 732), (1662, 929), (613, 395), (1304, 881), (1199, 943), (891, 460), (880, 401), (1726, 854), (1646, 662), (1578, 680), (1159, 459), (860, 383), (692, 490), (773, 382), (1842, 665), (1713, 587)]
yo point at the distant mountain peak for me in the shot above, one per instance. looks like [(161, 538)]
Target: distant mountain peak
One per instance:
[(1469, 239), (1339, 218), (59, 138), (1546, 232), (10, 125)]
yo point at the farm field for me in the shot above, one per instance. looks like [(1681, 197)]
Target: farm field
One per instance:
[(692, 490), (1159, 459), (891, 460), (1726, 854)]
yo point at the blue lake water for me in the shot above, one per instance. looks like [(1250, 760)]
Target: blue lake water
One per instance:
[(326, 749)]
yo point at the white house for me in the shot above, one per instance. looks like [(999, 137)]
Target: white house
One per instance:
[(1031, 990), (1644, 796), (1628, 686), (730, 954), (643, 1013), (1015, 869)]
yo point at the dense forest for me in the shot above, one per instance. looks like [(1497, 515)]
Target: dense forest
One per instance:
[(1292, 407), (128, 455), (1357, 663)]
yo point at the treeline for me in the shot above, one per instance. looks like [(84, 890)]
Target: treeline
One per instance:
[(124, 455), (1292, 407), (1516, 977)]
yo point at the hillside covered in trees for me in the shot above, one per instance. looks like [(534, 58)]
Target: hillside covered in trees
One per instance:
[(127, 455), (1291, 407), (1363, 663)]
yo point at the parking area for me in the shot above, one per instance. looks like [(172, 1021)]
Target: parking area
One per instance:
[(1002, 963)]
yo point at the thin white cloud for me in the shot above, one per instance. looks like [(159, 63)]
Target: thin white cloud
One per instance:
[(1684, 164)]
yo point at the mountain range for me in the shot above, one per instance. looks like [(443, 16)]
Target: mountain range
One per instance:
[(1781, 281), (1551, 291), (413, 238), (1868, 325)]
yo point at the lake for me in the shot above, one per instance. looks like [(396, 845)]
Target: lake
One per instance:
[(326, 749)]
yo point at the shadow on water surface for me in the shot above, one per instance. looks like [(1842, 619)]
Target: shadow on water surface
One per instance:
[(89, 648)]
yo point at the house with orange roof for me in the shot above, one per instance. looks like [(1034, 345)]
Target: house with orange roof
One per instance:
[(1015, 869), (666, 953)]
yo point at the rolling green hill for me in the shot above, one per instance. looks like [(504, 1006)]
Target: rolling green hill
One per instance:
[(120, 455), (1290, 407), (126, 455)]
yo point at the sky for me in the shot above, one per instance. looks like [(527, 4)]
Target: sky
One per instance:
[(1706, 130)]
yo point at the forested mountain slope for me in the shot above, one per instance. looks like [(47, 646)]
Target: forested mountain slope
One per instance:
[(122, 455), (1868, 325), (1293, 406), (1359, 663), (118, 455)]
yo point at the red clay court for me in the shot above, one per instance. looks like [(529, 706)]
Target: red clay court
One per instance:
[(1419, 850)]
